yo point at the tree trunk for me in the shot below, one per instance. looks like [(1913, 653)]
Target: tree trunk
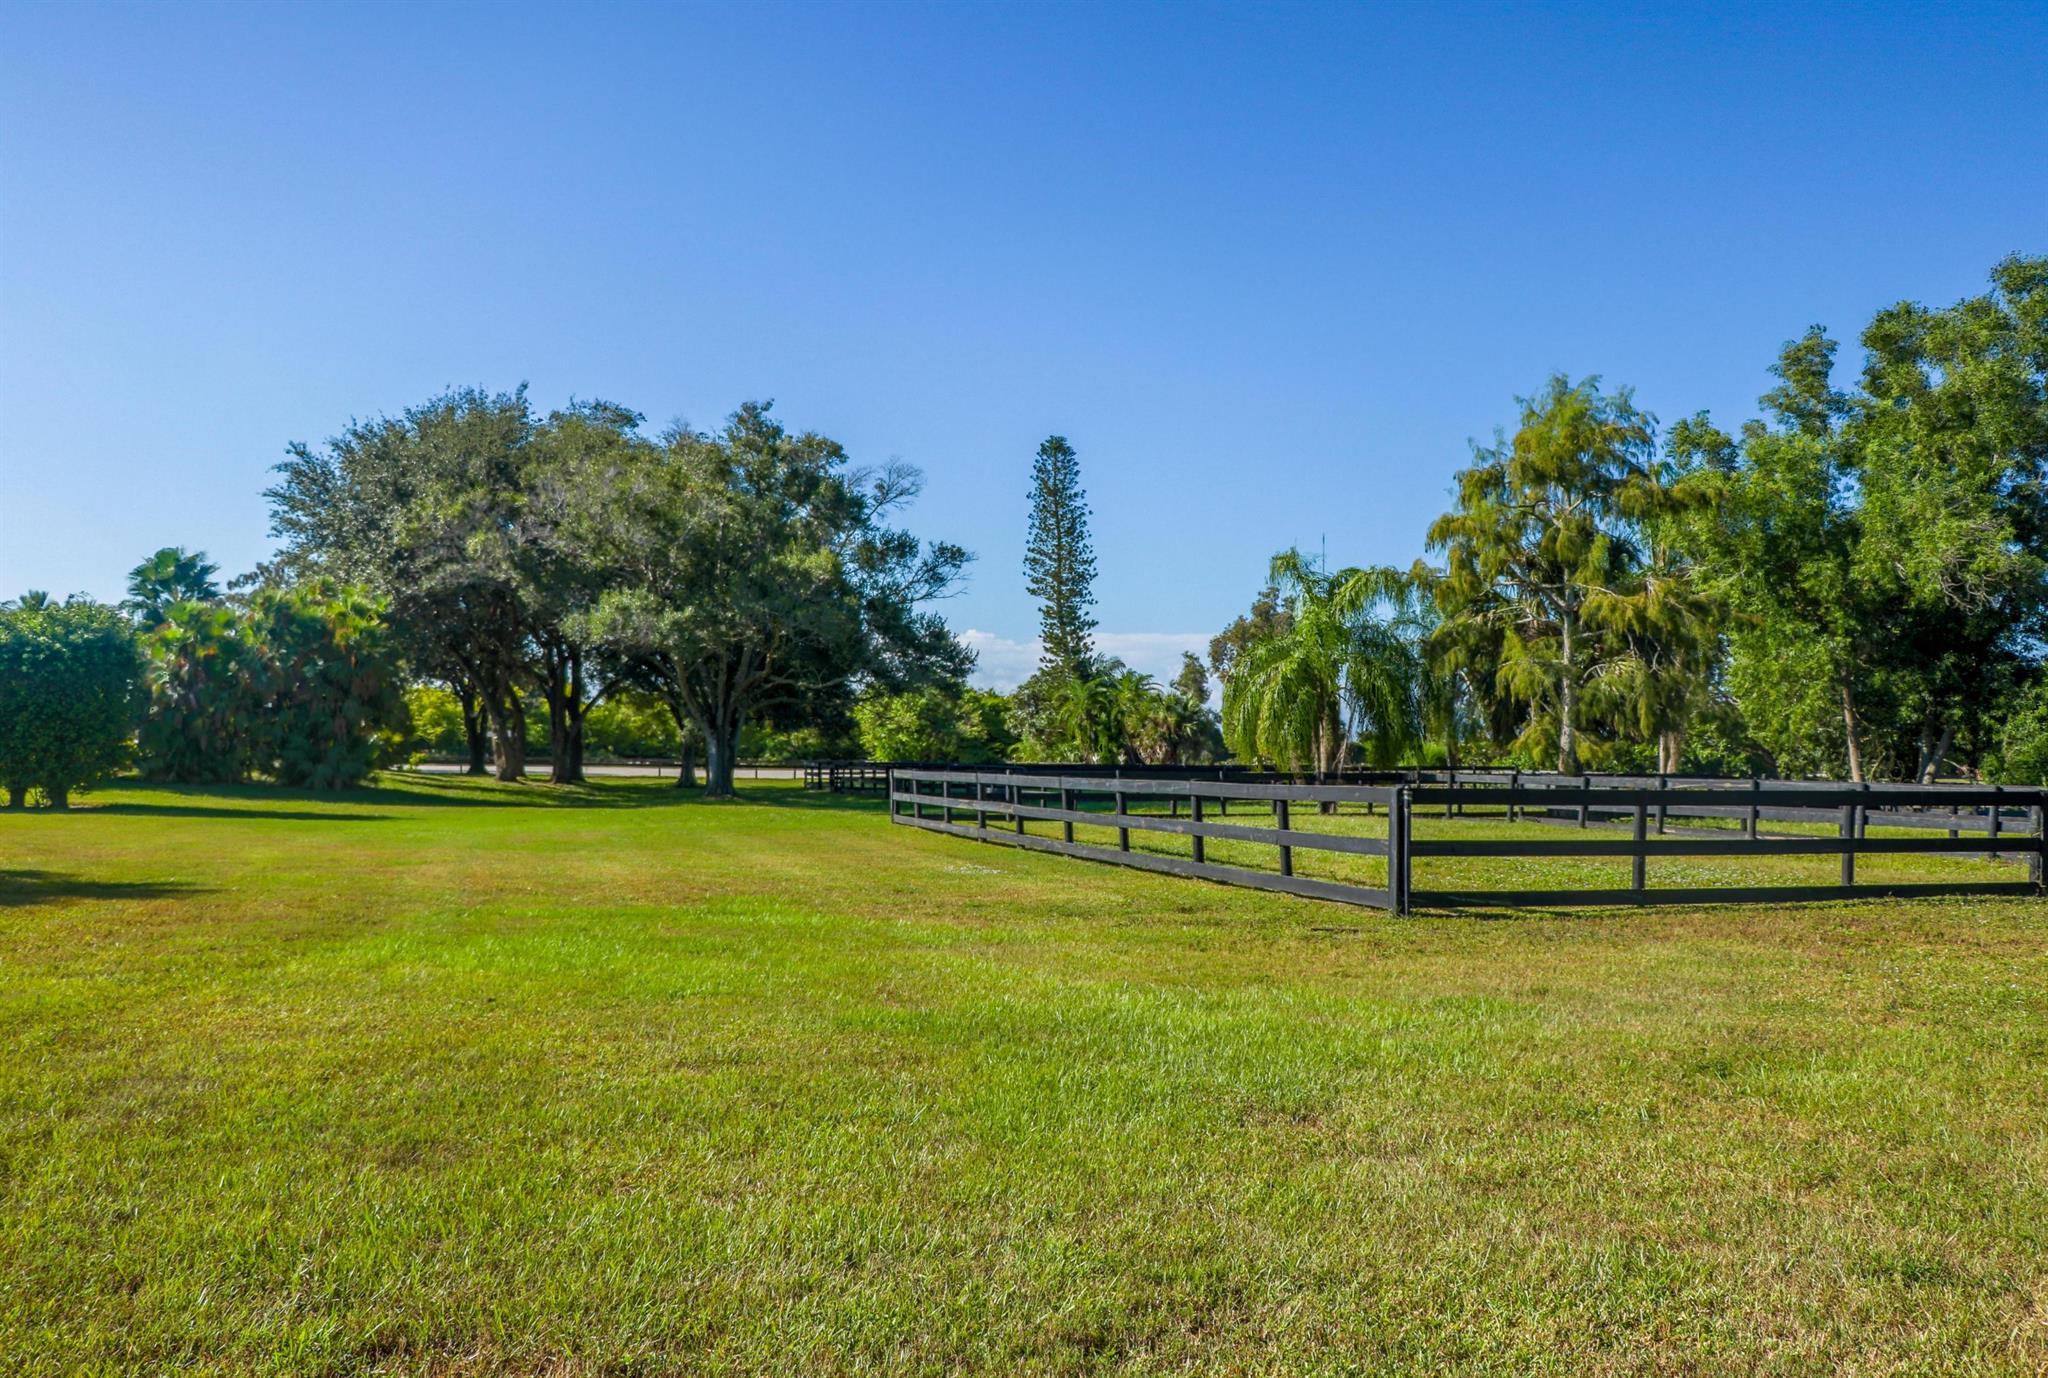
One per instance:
[(565, 713), (17, 796), (1853, 728), (686, 744), (1568, 705), (1931, 763), (721, 749), (579, 713), (508, 736), (58, 795), (1670, 750), (473, 732)]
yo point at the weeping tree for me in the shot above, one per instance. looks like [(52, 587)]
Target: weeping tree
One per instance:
[(1346, 666), (1541, 544)]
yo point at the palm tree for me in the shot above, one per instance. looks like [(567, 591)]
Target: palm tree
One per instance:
[(35, 600), (1091, 713), (1349, 666), (172, 575)]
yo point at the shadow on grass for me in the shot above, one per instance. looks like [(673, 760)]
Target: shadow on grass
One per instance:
[(18, 888), (816, 801), (253, 814)]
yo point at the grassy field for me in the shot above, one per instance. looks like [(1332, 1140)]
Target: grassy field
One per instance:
[(449, 1077)]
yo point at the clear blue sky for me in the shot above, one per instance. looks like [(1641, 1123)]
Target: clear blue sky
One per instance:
[(1268, 267)]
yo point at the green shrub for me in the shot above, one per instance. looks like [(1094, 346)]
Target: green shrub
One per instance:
[(301, 687), (330, 684), (68, 679), (2022, 754), (631, 723)]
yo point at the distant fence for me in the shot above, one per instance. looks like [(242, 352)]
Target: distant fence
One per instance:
[(1981, 821)]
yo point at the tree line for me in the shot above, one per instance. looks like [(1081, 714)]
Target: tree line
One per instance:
[(1852, 584)]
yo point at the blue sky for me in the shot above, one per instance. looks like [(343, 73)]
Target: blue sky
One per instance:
[(1268, 267)]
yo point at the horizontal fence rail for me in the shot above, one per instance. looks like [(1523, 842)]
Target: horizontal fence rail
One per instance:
[(995, 805)]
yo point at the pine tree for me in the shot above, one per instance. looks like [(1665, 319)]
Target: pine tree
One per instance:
[(1059, 562)]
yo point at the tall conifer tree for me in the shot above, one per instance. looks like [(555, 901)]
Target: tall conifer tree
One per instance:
[(1059, 561)]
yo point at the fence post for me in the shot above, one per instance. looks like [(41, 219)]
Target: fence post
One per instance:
[(2038, 818), (946, 809), (980, 802), (1641, 853), (1585, 809), (1847, 829), (1399, 859), (1017, 802), (1997, 817), (1756, 790), (1195, 813), (1123, 834), (1663, 783), (1863, 812), (1514, 783), (1066, 806), (1280, 821)]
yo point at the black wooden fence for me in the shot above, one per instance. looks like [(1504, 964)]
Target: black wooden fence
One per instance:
[(995, 805)]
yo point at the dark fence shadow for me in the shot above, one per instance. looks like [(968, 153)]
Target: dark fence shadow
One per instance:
[(24, 887)]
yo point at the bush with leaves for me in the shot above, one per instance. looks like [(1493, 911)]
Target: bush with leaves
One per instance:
[(329, 684), (68, 677), (301, 686), (2022, 755), (939, 723), (632, 724), (205, 693)]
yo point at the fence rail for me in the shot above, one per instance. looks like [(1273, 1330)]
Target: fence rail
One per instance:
[(996, 805)]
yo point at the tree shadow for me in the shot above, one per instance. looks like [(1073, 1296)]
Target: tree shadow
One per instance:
[(257, 814), (473, 792), (25, 887), (819, 801)]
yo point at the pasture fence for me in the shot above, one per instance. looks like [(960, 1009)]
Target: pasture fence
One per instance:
[(1664, 817)]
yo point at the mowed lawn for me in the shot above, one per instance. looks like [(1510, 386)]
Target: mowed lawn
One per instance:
[(450, 1077)]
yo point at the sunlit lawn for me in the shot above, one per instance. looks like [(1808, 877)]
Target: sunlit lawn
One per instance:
[(450, 1077)]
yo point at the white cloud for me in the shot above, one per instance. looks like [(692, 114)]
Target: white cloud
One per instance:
[(1003, 663)]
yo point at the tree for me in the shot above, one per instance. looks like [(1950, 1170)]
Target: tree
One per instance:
[(426, 511), (935, 723), (1059, 561), (1092, 713), (1544, 524), (205, 677), (300, 685), (329, 685), (67, 698), (1269, 617), (1950, 435), (1343, 667), (753, 568), (172, 575), (1192, 682)]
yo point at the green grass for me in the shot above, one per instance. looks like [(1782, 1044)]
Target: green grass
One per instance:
[(454, 1078)]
